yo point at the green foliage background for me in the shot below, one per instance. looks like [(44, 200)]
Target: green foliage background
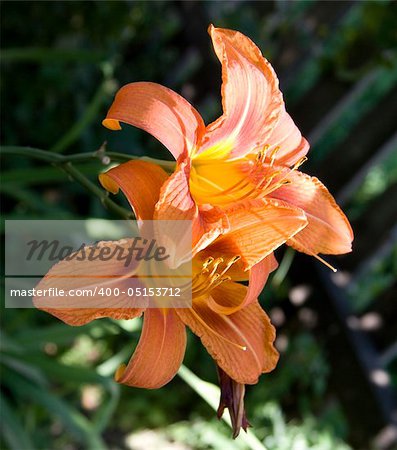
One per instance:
[(61, 64)]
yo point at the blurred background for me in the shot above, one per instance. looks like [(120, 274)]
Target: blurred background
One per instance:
[(61, 64)]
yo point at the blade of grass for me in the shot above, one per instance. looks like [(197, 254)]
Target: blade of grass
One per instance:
[(73, 420), (310, 71), (35, 338), (211, 394), (102, 417), (12, 429), (110, 366), (104, 92), (34, 201), (283, 268), (339, 122), (81, 375), (29, 371), (37, 54)]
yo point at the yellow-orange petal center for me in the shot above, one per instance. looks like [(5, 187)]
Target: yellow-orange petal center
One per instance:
[(221, 182)]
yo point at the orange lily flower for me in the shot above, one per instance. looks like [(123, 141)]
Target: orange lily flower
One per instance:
[(224, 314), (252, 151)]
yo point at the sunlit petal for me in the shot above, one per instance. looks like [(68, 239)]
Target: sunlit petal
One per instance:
[(140, 182), (161, 112), (286, 142), (251, 99), (241, 343), (328, 230), (257, 228)]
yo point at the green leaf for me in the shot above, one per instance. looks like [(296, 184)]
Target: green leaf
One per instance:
[(12, 429), (37, 54), (211, 394), (72, 419), (31, 338)]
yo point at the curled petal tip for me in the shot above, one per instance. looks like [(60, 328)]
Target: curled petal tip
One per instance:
[(119, 372), (108, 183), (111, 124)]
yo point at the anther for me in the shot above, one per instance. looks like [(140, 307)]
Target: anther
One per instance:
[(215, 265), (299, 163), (273, 154), (207, 262)]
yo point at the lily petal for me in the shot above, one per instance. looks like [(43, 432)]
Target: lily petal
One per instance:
[(286, 142), (328, 230), (241, 343), (231, 297), (86, 270), (140, 182), (161, 112), (176, 203), (257, 228), (159, 353), (251, 99)]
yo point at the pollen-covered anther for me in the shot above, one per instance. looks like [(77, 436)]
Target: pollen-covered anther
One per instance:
[(207, 262), (273, 154), (215, 265), (230, 263), (299, 163), (212, 275), (261, 155)]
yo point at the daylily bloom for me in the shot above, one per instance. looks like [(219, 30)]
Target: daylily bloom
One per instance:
[(224, 313), (252, 151)]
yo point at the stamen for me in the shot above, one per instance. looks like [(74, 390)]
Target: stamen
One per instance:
[(313, 254), (241, 347), (261, 155), (299, 163), (273, 155), (215, 266), (230, 263), (207, 262), (222, 280), (325, 263), (209, 278)]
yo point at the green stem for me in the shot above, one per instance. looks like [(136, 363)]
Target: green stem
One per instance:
[(100, 155), (283, 267), (97, 191), (64, 162), (30, 152)]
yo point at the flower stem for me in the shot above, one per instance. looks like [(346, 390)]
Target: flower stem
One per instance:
[(64, 162), (104, 156), (97, 191)]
